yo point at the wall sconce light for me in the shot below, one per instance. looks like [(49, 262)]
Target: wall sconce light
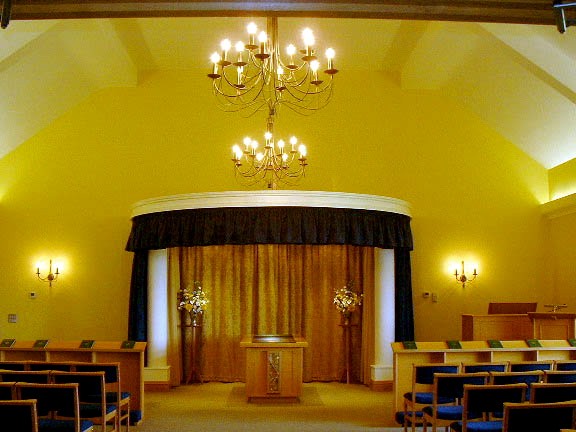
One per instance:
[(50, 277), (462, 278)]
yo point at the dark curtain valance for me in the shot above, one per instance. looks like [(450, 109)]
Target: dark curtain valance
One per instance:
[(270, 225)]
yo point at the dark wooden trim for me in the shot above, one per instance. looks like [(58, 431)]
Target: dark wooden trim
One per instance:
[(156, 386), (381, 386), (511, 11)]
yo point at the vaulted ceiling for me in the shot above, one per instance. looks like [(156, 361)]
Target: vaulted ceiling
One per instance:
[(519, 78)]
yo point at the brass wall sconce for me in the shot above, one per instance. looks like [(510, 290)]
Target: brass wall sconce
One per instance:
[(462, 278), (50, 277)]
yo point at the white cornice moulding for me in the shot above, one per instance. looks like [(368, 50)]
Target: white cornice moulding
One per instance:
[(271, 198), (559, 207)]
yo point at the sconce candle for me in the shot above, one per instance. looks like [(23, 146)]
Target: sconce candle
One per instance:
[(50, 277), (462, 278)]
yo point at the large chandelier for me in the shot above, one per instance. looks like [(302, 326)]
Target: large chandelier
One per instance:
[(276, 161), (254, 76)]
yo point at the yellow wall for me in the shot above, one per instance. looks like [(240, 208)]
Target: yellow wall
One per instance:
[(563, 180), (67, 193)]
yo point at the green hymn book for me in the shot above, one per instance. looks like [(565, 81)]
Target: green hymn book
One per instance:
[(409, 345), (7, 343), (572, 342), (533, 343), (454, 344), (494, 343), (128, 344), (87, 343), (41, 343)]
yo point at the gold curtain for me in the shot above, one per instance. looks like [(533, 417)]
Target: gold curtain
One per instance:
[(275, 289)]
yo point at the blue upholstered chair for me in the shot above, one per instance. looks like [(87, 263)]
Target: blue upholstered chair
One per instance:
[(565, 365), (421, 394), (13, 365), (449, 387), (7, 391), (18, 415), (481, 402), (53, 398), (552, 392), (114, 393), (544, 417), (560, 376), (529, 366), (49, 366), (38, 377), (517, 377), (89, 384), (485, 367)]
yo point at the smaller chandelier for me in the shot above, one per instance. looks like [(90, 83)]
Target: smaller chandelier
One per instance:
[(254, 76), (273, 163)]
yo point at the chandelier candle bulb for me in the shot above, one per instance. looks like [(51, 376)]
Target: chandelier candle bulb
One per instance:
[(330, 53), (240, 71), (308, 38), (225, 45), (252, 29), (262, 38), (314, 66), (240, 50), (291, 50), (215, 59)]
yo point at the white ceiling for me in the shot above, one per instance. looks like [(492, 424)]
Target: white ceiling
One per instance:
[(520, 79)]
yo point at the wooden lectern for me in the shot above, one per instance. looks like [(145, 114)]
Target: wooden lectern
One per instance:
[(553, 325), (274, 366), (496, 326)]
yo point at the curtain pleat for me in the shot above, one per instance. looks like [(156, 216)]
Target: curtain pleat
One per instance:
[(278, 289), (138, 303), (404, 308), (270, 225), (174, 348)]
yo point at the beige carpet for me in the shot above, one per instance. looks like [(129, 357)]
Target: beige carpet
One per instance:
[(211, 407), (237, 398)]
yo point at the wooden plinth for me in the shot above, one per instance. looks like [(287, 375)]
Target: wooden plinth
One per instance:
[(274, 369)]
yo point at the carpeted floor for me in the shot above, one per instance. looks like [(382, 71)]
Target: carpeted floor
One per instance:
[(211, 407)]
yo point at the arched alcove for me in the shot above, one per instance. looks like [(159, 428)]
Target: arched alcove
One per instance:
[(294, 217)]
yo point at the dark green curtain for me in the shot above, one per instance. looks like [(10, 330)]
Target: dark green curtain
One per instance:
[(138, 312), (270, 225), (404, 308)]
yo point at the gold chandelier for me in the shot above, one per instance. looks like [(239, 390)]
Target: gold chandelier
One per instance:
[(277, 162), (255, 76)]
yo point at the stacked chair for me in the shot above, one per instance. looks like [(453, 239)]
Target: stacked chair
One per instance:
[(38, 377), (92, 397), (19, 415), (449, 387), (421, 394), (541, 417), (528, 378), (552, 392), (470, 397), (69, 396), (483, 406), (51, 399), (114, 393)]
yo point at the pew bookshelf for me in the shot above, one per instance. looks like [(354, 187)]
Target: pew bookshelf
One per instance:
[(471, 352), (131, 361)]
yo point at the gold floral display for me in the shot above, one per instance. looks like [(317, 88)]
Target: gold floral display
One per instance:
[(346, 300), (193, 300)]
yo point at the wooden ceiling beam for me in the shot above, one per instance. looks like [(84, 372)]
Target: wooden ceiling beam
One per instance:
[(511, 11)]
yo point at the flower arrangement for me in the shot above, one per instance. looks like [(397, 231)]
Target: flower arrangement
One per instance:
[(193, 300), (347, 300)]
